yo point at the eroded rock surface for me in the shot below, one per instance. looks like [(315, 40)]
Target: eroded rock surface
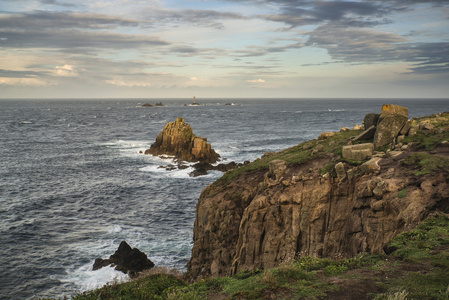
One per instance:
[(177, 139), (264, 216)]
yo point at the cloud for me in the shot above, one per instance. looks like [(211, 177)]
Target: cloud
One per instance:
[(355, 45), (256, 81), (50, 21), (65, 71), (186, 17), (74, 40)]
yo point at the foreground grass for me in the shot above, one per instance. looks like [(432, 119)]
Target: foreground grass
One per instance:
[(416, 268)]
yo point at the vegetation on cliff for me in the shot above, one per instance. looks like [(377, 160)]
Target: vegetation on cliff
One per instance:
[(416, 267)]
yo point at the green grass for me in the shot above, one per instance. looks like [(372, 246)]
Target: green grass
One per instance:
[(152, 287), (425, 163), (295, 155)]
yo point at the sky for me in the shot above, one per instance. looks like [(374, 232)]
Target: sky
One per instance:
[(224, 49)]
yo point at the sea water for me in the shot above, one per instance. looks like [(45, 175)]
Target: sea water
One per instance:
[(73, 184)]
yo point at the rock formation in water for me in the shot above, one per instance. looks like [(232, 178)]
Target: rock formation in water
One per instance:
[(309, 200), (128, 260), (177, 139)]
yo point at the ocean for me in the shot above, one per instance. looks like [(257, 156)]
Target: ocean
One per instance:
[(73, 184)]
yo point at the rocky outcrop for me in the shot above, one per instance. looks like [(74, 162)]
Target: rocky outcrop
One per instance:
[(391, 120), (177, 139), (263, 216), (128, 260)]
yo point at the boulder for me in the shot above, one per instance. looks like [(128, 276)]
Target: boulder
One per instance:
[(370, 120), (147, 105), (177, 139), (391, 121), (406, 128), (358, 152), (367, 134), (326, 135), (127, 260)]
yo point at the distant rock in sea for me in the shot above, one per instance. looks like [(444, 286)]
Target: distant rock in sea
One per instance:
[(147, 105), (159, 104), (128, 260), (177, 139)]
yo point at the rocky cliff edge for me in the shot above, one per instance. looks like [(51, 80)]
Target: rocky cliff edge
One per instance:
[(313, 200)]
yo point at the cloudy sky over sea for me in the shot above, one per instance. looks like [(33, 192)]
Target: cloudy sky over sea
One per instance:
[(233, 48)]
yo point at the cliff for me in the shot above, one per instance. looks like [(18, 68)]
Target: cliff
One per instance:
[(312, 199), (177, 139)]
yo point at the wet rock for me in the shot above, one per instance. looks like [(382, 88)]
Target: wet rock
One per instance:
[(128, 260)]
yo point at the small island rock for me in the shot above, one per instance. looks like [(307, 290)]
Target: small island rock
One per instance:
[(127, 260), (177, 139)]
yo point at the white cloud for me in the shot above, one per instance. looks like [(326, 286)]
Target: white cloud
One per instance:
[(65, 71), (256, 80), (29, 82)]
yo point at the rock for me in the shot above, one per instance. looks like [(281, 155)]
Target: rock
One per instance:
[(177, 139), (371, 165), (357, 127), (276, 168), (340, 170), (201, 168), (326, 135), (370, 120), (358, 152), (413, 130), (391, 121), (367, 134), (268, 154), (344, 129), (427, 126), (159, 104), (147, 105), (406, 128), (392, 109), (127, 260)]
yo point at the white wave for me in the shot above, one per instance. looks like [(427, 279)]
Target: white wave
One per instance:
[(114, 229), (84, 278), (26, 122), (333, 110)]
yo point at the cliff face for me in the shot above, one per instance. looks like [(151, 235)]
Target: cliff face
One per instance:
[(307, 200), (177, 139)]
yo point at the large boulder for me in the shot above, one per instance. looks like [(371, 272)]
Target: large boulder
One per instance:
[(177, 139), (370, 120), (128, 260), (392, 119), (358, 152)]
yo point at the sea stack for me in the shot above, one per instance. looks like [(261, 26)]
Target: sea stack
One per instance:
[(177, 139)]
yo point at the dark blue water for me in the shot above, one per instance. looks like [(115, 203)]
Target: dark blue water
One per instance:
[(73, 184)]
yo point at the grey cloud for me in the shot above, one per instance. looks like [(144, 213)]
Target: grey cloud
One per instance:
[(19, 74), (260, 51), (362, 45), (57, 3), (73, 40), (43, 20), (190, 16)]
